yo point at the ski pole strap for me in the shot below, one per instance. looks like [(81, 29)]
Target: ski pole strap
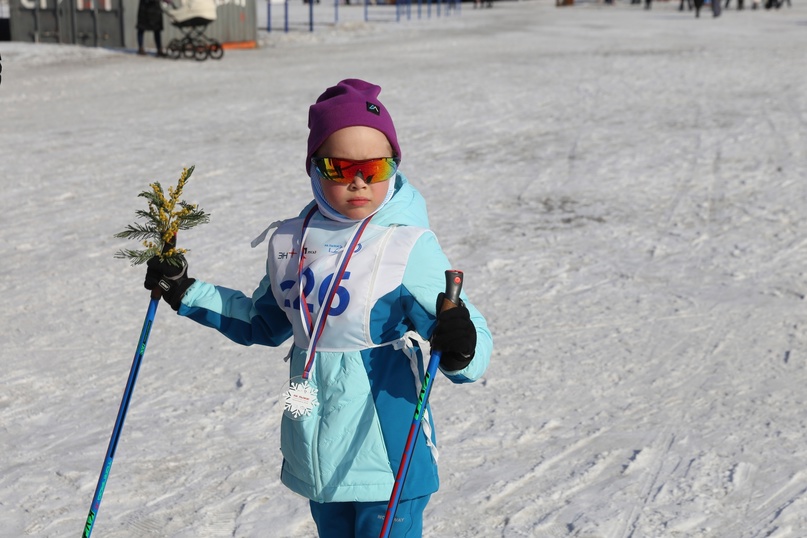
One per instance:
[(406, 345)]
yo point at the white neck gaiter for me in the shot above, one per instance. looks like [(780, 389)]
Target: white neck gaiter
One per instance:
[(326, 209)]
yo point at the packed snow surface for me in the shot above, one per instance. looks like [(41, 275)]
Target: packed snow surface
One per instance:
[(624, 189)]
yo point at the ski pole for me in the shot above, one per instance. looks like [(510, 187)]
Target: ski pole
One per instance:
[(450, 300), (124, 406)]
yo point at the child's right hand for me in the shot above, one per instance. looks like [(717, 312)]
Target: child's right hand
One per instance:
[(455, 337), (171, 280)]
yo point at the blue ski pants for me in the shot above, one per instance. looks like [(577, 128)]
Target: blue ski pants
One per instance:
[(364, 520)]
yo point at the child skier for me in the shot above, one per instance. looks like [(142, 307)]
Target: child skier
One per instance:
[(354, 280)]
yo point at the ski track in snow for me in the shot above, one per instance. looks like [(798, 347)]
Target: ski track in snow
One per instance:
[(624, 190)]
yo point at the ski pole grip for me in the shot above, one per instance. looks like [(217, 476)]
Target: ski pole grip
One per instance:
[(451, 299), (157, 293)]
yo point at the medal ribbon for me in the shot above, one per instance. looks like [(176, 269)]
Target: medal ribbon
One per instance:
[(315, 328)]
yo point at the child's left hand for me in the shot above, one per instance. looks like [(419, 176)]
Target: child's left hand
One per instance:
[(455, 337)]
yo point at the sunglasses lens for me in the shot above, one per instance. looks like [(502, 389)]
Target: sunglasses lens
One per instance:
[(345, 171)]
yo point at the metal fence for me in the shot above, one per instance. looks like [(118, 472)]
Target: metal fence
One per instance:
[(111, 23), (290, 15)]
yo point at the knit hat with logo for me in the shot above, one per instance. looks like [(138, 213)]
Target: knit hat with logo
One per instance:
[(350, 103)]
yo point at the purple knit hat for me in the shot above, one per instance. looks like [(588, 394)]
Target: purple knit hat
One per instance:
[(351, 102)]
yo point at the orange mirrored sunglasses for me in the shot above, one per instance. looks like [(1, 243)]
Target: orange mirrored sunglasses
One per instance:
[(344, 171)]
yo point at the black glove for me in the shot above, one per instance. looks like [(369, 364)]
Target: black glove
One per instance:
[(455, 337), (171, 280)]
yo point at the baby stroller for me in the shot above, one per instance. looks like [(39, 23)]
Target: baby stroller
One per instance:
[(192, 18)]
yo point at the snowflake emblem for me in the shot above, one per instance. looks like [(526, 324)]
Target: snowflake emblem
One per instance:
[(300, 399)]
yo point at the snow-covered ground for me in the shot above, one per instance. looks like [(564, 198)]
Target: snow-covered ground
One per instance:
[(624, 189)]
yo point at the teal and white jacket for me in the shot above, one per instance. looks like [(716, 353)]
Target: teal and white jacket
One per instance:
[(372, 344)]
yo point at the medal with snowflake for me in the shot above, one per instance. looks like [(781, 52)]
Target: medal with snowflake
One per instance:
[(300, 399), (166, 215)]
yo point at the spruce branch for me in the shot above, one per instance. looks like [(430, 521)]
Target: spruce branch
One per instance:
[(165, 216)]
